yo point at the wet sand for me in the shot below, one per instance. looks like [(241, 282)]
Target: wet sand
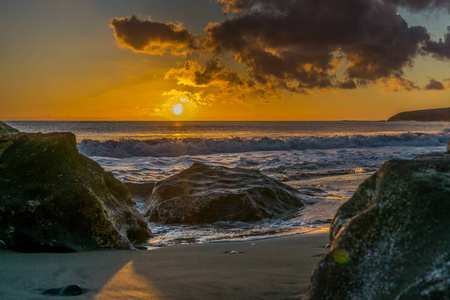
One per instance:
[(275, 268)]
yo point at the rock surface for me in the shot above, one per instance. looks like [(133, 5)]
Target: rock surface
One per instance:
[(439, 114), (206, 194), (67, 291), (6, 129), (140, 192), (391, 240), (52, 198)]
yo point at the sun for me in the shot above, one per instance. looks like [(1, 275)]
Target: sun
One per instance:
[(177, 109)]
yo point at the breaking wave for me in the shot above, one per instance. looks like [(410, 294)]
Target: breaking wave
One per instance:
[(166, 147)]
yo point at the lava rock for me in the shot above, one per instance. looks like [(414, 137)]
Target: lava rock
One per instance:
[(206, 194), (391, 240), (52, 198)]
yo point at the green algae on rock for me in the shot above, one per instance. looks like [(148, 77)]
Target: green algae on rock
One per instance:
[(6, 129), (395, 233), (52, 198)]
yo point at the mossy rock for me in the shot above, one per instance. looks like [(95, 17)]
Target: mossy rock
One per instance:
[(207, 194), (391, 240), (52, 198)]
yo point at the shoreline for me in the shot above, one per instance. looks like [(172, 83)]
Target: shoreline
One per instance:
[(275, 268)]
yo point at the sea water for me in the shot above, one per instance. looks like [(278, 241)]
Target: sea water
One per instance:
[(325, 159)]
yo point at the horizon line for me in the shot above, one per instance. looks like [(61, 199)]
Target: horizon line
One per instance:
[(192, 120)]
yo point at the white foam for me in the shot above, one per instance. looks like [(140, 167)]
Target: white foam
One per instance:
[(166, 147)]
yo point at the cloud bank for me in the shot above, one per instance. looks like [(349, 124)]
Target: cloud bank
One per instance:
[(440, 49), (418, 5), (295, 45)]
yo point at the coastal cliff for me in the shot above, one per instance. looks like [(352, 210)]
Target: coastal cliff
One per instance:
[(439, 114)]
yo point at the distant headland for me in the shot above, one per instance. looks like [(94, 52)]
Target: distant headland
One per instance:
[(438, 114)]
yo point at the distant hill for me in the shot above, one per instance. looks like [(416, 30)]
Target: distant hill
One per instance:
[(438, 114)]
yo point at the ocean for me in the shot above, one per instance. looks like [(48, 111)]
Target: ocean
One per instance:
[(328, 159)]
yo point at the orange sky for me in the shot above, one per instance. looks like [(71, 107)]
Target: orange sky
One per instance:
[(65, 60)]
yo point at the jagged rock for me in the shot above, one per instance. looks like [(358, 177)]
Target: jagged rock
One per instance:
[(391, 240), (206, 194), (52, 198), (6, 129), (448, 147), (438, 114)]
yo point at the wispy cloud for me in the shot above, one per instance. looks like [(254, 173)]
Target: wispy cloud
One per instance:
[(397, 84)]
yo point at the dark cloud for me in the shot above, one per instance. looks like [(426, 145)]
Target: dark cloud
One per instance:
[(214, 71), (296, 45), (152, 37), (295, 39), (416, 5), (218, 82), (237, 6), (434, 85), (213, 74), (439, 49), (347, 84)]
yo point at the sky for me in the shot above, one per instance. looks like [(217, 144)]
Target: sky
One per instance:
[(176, 60)]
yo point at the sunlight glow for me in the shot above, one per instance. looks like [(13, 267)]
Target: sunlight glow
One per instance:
[(177, 109), (128, 283)]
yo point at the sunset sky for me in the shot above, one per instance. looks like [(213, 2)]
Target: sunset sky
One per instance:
[(222, 60)]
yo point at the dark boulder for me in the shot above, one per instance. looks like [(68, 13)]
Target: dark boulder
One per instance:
[(206, 194), (70, 290), (52, 198), (391, 240)]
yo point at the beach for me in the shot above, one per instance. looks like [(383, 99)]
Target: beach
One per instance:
[(273, 268), (268, 259), (225, 149), (268, 268)]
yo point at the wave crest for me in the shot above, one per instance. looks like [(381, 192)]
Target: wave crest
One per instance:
[(165, 147)]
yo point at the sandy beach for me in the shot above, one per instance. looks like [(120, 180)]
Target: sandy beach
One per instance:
[(275, 268), (272, 268), (203, 149)]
